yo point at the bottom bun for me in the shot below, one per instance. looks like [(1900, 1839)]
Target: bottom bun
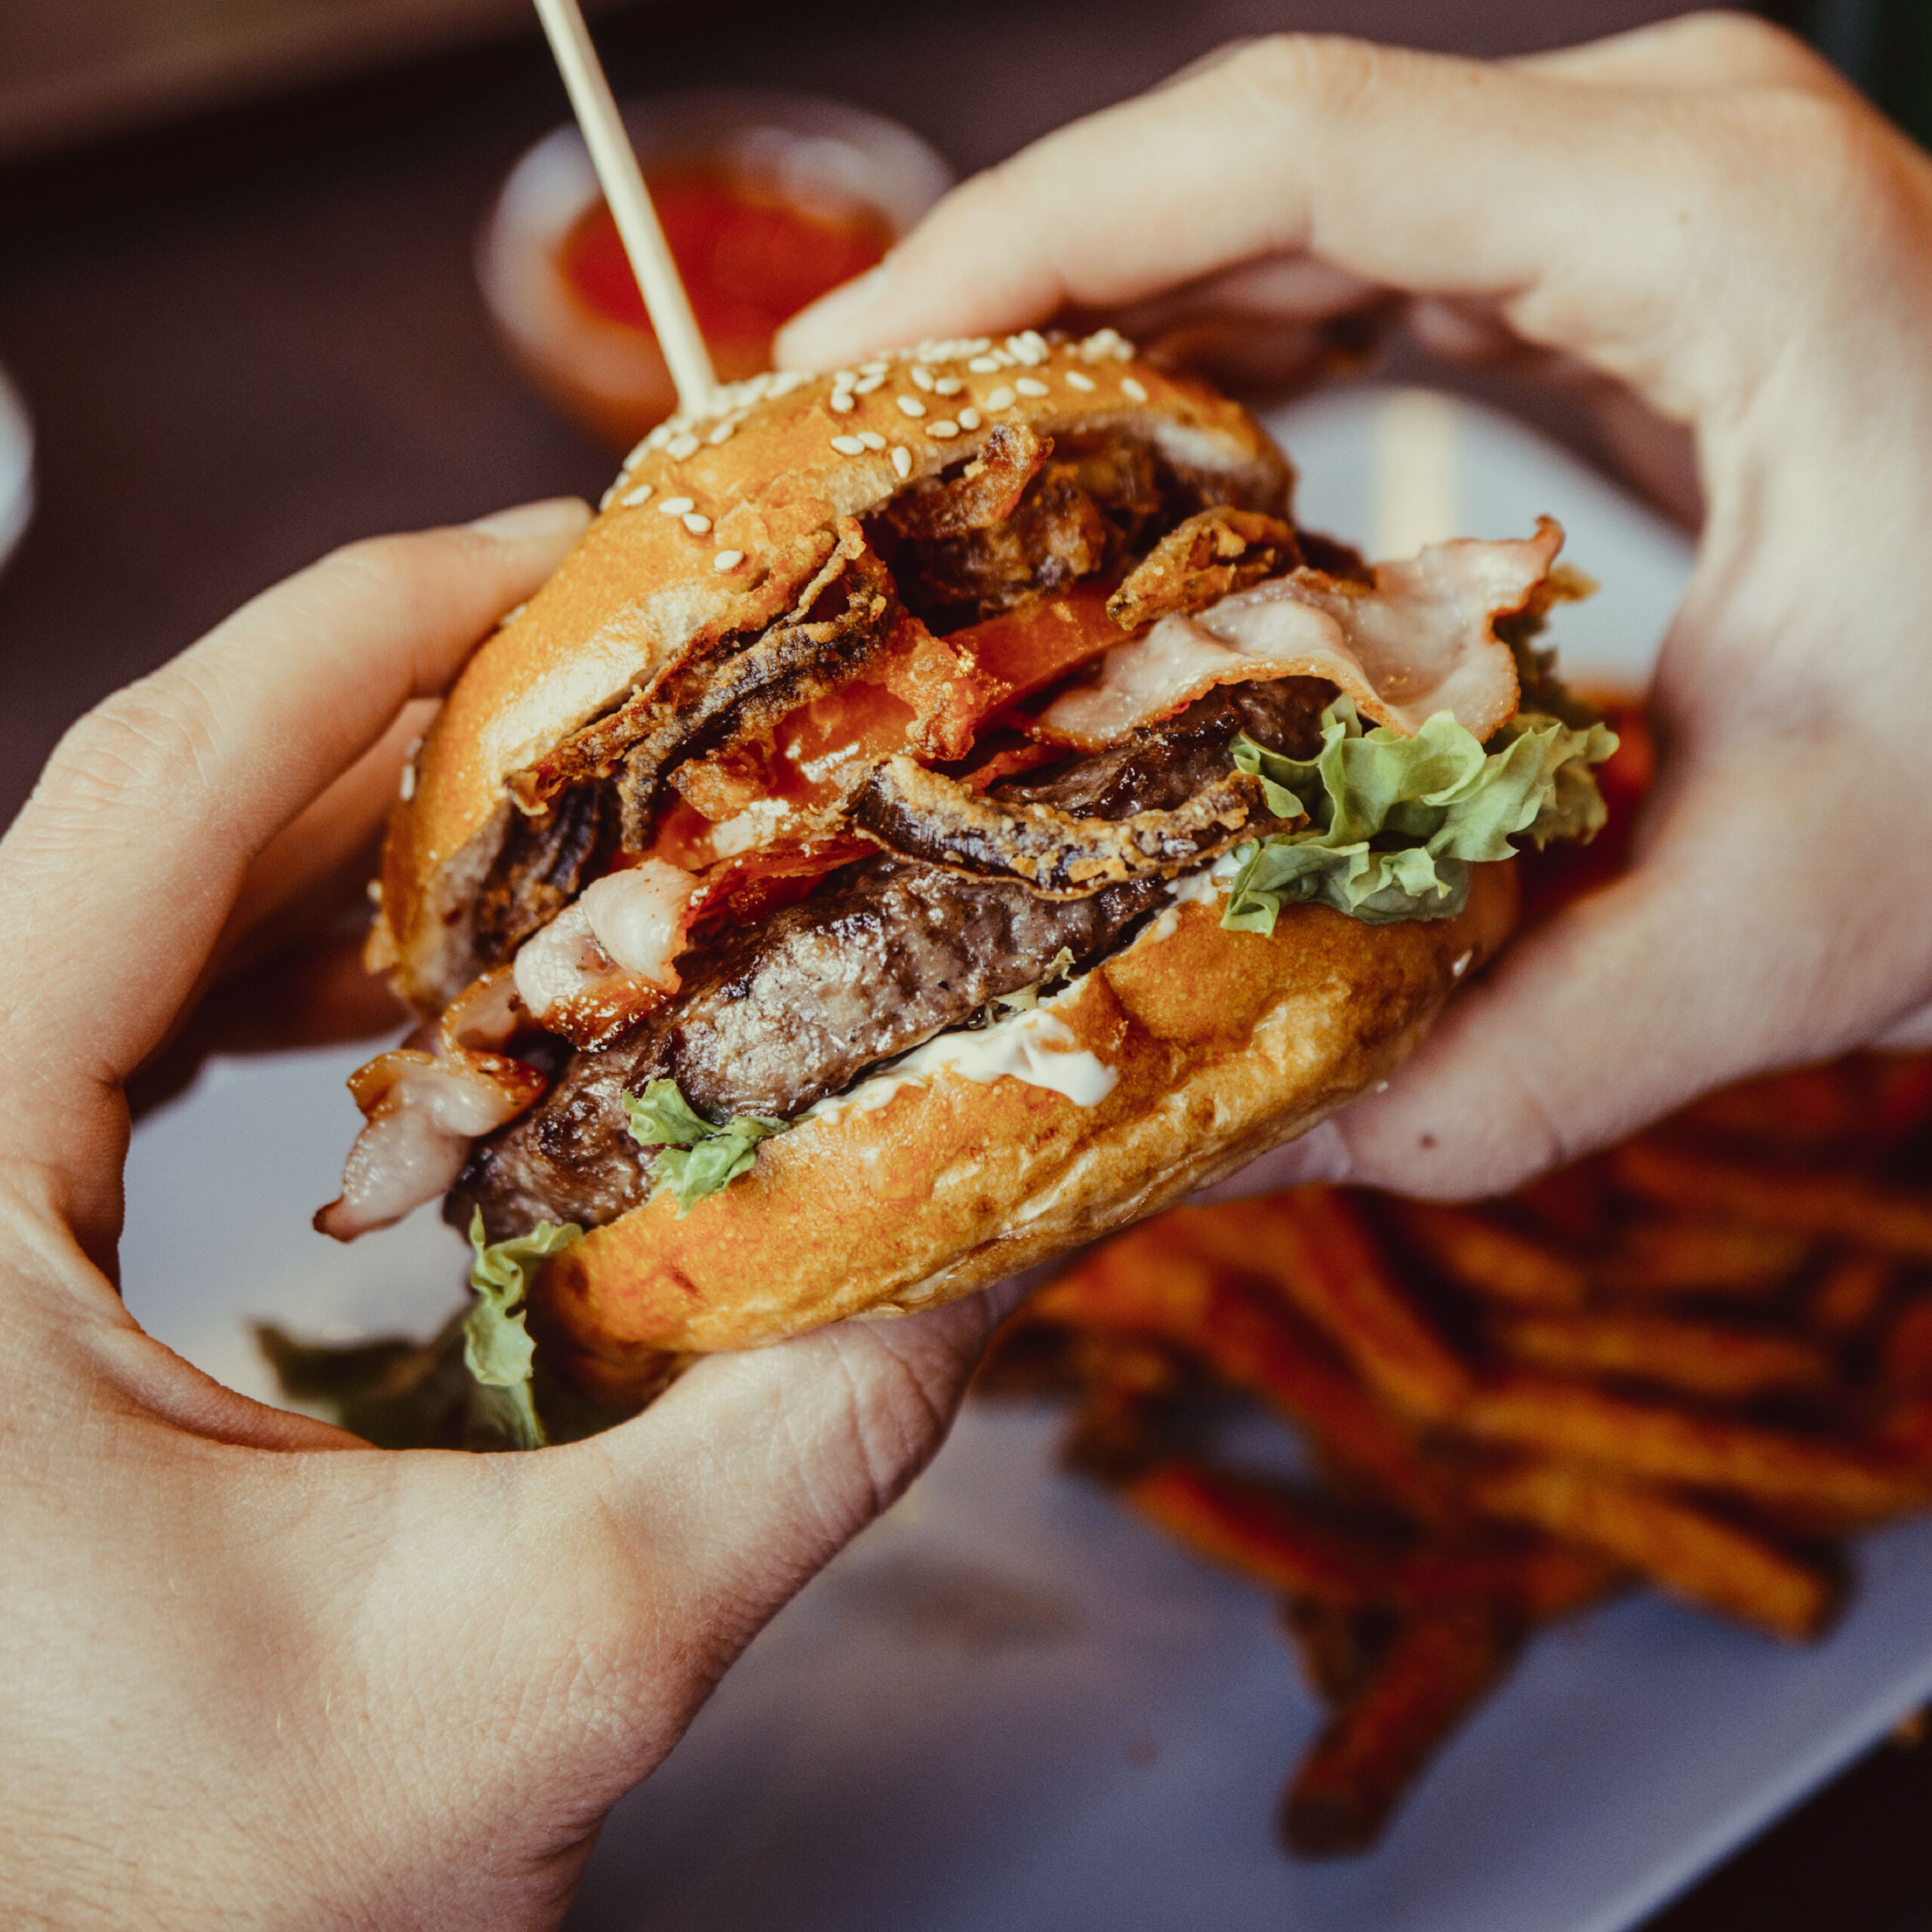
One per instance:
[(1224, 1044)]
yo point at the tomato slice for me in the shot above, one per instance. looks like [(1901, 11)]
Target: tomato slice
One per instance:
[(1020, 652)]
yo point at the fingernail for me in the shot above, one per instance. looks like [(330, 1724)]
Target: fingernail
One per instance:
[(835, 323), (554, 519)]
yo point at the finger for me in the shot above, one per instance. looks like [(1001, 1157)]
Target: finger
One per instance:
[(1411, 171), (1712, 50), (119, 876)]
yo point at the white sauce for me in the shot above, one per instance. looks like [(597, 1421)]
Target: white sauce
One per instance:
[(1036, 1046)]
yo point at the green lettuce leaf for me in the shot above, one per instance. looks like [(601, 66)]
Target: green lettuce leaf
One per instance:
[(1394, 823), (496, 1348), (698, 1158)]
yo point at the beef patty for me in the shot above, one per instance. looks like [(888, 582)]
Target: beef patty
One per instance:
[(887, 954)]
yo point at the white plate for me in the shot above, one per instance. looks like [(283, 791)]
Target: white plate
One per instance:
[(16, 467), (1009, 1706)]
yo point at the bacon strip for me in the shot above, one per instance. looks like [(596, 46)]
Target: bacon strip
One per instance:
[(1422, 640), (604, 963), (423, 1105)]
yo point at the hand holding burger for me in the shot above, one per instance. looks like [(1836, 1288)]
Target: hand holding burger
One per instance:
[(259, 1674)]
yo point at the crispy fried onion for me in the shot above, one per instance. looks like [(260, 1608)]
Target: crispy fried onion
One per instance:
[(424, 1103), (711, 706), (985, 492), (924, 815), (1214, 553), (1421, 640), (604, 963)]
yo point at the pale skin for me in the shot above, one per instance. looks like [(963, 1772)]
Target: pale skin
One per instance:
[(259, 1675)]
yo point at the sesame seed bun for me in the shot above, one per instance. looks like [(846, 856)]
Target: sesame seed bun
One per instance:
[(1218, 1044), (643, 592), (1225, 1044)]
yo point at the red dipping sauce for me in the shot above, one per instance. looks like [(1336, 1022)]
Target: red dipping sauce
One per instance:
[(749, 260)]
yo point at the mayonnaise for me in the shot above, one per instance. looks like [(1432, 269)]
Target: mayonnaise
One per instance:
[(1036, 1047)]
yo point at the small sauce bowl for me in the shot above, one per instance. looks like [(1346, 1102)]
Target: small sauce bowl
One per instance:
[(766, 199)]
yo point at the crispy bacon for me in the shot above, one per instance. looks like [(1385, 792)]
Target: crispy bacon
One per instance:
[(1421, 640), (605, 963), (423, 1104)]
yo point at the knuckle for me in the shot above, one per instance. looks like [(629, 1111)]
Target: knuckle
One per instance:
[(1834, 161), (1303, 72), (1728, 47)]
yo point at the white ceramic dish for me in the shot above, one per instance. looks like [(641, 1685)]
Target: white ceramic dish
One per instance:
[(1008, 1706), (810, 152), (16, 468)]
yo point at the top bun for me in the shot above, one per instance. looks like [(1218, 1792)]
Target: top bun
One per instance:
[(713, 527)]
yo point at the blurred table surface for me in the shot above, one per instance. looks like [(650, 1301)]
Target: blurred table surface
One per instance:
[(248, 337)]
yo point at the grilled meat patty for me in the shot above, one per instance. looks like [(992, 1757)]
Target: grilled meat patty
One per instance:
[(885, 954)]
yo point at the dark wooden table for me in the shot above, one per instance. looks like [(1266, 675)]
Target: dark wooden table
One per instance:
[(249, 338)]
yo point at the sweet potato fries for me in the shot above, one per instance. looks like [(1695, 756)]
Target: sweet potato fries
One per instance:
[(1694, 1362)]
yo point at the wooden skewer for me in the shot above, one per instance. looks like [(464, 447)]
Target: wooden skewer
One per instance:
[(623, 181)]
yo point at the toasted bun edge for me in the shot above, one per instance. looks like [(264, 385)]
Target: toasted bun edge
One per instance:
[(1225, 1044)]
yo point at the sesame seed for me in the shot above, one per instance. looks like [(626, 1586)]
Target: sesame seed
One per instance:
[(922, 377), (983, 365), (641, 494), (872, 439), (1134, 391), (678, 447), (910, 405), (877, 368), (1079, 381), (1000, 398), (947, 385), (696, 524), (902, 460), (844, 378), (722, 434), (1032, 386), (604, 501), (675, 506), (944, 430), (639, 454), (868, 382), (785, 382), (843, 401), (969, 419), (406, 786), (375, 890), (848, 445), (727, 559)]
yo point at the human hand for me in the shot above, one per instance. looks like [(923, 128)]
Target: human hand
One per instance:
[(1703, 220), (256, 1672)]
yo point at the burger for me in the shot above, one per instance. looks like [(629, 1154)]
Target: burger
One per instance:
[(942, 810)]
